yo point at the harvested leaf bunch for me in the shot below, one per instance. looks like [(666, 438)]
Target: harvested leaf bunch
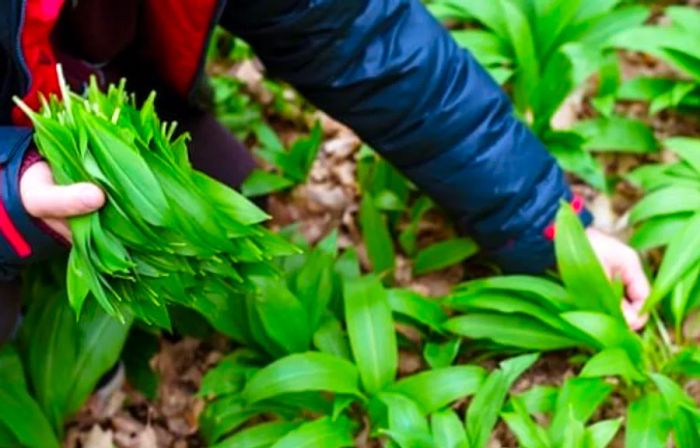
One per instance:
[(168, 233)]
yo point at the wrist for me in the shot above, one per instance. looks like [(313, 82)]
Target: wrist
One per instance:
[(578, 205)]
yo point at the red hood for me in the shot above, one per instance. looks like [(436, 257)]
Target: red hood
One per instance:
[(176, 40)]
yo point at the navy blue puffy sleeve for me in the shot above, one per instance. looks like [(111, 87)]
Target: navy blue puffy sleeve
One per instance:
[(393, 74)]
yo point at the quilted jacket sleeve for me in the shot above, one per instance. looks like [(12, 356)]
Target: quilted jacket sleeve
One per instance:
[(393, 74)]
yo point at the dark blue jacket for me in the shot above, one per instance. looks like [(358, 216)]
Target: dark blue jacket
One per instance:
[(394, 75)]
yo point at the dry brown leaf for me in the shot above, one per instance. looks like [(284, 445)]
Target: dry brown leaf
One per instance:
[(98, 438), (147, 438)]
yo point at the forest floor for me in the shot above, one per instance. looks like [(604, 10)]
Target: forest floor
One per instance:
[(329, 200)]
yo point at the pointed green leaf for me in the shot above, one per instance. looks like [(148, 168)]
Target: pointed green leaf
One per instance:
[(447, 429), (443, 254), (580, 269), (371, 330), (434, 389), (323, 432), (486, 406), (303, 372), (646, 427)]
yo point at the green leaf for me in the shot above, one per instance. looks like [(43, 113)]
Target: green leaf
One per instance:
[(657, 232), (65, 358), (388, 201), (20, 415), (681, 297), (447, 429), (662, 93), (687, 148), (330, 338), (439, 355), (140, 347), (409, 236), (259, 436), (407, 439), (580, 269), (283, 316), (681, 411), (78, 281), (666, 201), (230, 374), (647, 427), (578, 399), (487, 14), (402, 416), (125, 167), (539, 399), (654, 177), (686, 363), (485, 408), (575, 434), (602, 433), (522, 39), (685, 17), (673, 394), (508, 303), (520, 423), (323, 432), (371, 330), (302, 155), (671, 44), (421, 309), (347, 266), (552, 18), (537, 288), (567, 148), (225, 415), (235, 204), (682, 254), (609, 333), (303, 372), (608, 21), (434, 389), (612, 362), (376, 236), (510, 330), (444, 254), (261, 183), (617, 134), (313, 284)]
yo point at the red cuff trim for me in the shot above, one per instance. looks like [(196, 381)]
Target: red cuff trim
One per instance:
[(11, 234), (30, 158), (550, 232), (577, 203)]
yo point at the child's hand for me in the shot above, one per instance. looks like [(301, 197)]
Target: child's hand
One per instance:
[(621, 261), (52, 203)]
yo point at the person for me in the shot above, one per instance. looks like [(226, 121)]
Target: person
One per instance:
[(386, 68)]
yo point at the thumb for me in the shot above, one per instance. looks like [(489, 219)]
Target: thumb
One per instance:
[(42, 198), (631, 273), (637, 289)]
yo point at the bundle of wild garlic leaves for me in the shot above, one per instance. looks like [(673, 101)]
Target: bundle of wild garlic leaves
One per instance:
[(168, 233)]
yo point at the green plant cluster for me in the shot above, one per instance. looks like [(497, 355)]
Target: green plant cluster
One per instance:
[(318, 343), (349, 369), (168, 233), (56, 362)]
